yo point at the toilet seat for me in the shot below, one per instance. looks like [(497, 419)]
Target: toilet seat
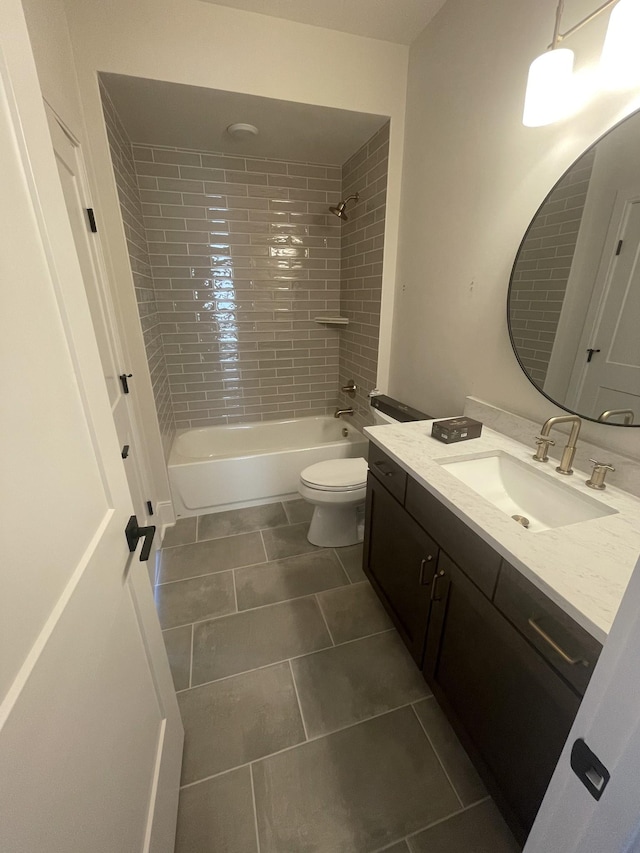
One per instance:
[(336, 475)]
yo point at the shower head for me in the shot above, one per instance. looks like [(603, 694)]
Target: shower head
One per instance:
[(339, 211)]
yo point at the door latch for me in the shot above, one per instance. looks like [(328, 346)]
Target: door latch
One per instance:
[(134, 534), (125, 385), (591, 352)]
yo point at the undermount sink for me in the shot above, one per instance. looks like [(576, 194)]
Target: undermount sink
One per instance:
[(521, 491)]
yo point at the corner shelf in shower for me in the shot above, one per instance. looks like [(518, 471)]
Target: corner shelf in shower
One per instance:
[(332, 321)]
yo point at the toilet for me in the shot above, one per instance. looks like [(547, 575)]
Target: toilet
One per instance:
[(337, 487)]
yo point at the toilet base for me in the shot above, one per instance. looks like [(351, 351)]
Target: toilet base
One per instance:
[(336, 526)]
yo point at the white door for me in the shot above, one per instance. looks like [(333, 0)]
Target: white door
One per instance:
[(75, 188), (90, 734), (570, 820), (611, 380)]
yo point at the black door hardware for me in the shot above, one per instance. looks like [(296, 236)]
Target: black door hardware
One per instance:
[(591, 352), (149, 507), (134, 534), (619, 249), (92, 220), (125, 384), (125, 451), (589, 769)]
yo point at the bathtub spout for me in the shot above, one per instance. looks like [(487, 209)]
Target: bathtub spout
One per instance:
[(339, 412)]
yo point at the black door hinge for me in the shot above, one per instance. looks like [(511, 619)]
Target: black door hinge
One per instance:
[(619, 249), (125, 385), (149, 507), (92, 220)]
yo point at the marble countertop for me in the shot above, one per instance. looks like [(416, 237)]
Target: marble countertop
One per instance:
[(583, 567)]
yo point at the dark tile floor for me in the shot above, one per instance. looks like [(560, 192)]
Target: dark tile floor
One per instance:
[(308, 728)]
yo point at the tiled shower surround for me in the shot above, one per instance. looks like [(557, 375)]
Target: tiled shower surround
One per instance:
[(244, 255), (131, 211), (362, 247), (542, 272), (233, 257)]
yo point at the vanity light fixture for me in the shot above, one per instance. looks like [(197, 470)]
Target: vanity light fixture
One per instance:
[(551, 82)]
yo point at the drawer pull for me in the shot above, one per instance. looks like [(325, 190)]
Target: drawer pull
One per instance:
[(423, 566), (381, 467), (556, 648), (437, 575)]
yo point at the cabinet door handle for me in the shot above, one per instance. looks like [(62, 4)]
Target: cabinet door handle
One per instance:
[(437, 575), (423, 566), (556, 648)]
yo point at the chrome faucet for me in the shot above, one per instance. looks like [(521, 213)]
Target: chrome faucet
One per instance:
[(339, 412), (543, 441)]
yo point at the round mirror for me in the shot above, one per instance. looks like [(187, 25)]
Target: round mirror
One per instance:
[(574, 297)]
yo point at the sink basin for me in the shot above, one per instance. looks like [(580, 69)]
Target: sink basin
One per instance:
[(520, 490)]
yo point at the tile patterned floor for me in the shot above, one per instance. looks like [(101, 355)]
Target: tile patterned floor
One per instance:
[(308, 728)]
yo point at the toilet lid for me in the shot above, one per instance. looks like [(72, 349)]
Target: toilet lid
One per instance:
[(336, 474)]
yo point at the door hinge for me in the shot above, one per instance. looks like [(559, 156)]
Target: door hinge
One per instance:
[(619, 249), (149, 507), (125, 385), (92, 220)]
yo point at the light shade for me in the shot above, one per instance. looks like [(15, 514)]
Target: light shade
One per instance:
[(620, 63), (549, 88)]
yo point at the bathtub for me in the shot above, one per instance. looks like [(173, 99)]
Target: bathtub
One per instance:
[(225, 467)]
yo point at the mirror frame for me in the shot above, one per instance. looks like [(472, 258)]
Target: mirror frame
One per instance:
[(513, 268)]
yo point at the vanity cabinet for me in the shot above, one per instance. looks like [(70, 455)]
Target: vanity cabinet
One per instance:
[(508, 666), (510, 708), (401, 559)]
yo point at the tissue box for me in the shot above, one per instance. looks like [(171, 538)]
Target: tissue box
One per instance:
[(456, 429)]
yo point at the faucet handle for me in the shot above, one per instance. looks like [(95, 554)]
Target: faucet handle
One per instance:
[(596, 480), (543, 442)]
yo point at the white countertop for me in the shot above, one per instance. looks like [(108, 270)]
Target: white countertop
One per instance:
[(583, 567)]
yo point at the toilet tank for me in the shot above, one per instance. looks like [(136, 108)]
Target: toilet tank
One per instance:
[(386, 410)]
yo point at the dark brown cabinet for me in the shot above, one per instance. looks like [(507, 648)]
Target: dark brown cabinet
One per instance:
[(400, 559), (507, 704), (508, 666)]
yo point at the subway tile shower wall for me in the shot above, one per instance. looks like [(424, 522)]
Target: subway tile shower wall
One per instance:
[(244, 255), (362, 250), (131, 211)]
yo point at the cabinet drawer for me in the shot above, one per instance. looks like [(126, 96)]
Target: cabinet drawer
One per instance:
[(477, 559), (388, 472), (571, 650)]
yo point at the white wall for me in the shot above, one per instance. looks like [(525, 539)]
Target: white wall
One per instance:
[(473, 178)]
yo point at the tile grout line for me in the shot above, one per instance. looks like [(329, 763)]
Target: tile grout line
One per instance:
[(255, 808), (193, 631), (284, 660), (261, 606), (264, 548), (303, 743), (235, 591), (295, 687), (407, 838), (324, 618), (435, 752), (255, 565)]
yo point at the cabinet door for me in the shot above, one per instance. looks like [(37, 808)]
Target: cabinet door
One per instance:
[(508, 705), (399, 560)]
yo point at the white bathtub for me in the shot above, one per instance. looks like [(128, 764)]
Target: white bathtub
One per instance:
[(222, 467)]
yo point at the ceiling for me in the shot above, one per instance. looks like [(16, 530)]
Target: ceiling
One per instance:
[(178, 116), (390, 20)]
